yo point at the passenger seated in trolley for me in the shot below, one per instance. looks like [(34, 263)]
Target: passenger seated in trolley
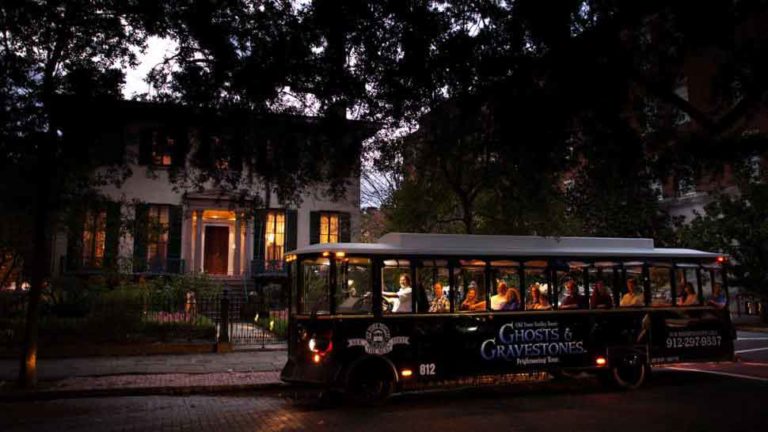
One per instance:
[(601, 298), (440, 302), (472, 302), (513, 300), (689, 297), (632, 297), (539, 301), (401, 300), (572, 299), (499, 300), (717, 299)]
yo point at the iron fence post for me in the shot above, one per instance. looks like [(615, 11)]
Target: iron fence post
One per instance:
[(224, 332)]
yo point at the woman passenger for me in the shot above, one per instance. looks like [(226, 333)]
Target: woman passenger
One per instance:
[(513, 300), (690, 298), (471, 302), (538, 300), (600, 298)]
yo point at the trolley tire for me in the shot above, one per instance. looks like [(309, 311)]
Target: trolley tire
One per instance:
[(628, 372), (369, 390)]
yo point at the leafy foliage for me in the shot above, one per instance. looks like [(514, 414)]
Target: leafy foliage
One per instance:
[(737, 226)]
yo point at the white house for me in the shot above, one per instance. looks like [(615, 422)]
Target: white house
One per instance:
[(151, 225)]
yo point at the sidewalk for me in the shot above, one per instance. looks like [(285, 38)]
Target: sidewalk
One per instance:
[(141, 375)]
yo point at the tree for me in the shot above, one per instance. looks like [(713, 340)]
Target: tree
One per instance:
[(47, 48), (736, 225)]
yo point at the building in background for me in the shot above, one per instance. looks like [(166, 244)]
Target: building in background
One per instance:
[(155, 222)]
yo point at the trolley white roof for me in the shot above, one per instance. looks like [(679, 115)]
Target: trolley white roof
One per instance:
[(500, 245)]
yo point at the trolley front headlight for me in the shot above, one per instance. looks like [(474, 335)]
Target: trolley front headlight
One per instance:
[(320, 345)]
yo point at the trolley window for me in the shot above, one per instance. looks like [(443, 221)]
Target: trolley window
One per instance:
[(537, 295), (314, 288), (602, 277), (396, 286), (353, 291), (570, 281), (470, 281), (632, 291), (661, 284), (433, 282), (506, 282)]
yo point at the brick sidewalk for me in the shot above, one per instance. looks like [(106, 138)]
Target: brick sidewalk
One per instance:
[(140, 375)]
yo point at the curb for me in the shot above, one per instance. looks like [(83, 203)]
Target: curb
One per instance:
[(46, 395), (751, 329)]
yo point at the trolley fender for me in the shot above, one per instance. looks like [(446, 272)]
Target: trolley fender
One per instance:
[(615, 353), (374, 361)]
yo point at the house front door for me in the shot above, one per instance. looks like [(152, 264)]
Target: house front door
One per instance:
[(216, 250)]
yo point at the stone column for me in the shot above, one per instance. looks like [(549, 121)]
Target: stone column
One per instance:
[(187, 236), (238, 243), (198, 242), (248, 247)]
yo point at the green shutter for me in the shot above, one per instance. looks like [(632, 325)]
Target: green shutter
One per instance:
[(140, 233), (291, 227), (314, 227), (173, 260), (345, 231), (75, 226), (180, 146), (260, 222), (145, 147), (112, 235)]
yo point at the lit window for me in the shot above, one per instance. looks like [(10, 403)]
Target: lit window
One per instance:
[(274, 236), (157, 238), (162, 148), (329, 228), (94, 238)]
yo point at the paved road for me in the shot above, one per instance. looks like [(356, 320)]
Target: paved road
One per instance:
[(679, 401)]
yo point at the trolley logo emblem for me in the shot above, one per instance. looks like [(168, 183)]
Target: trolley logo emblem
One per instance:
[(378, 340)]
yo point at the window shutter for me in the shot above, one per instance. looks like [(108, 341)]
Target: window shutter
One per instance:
[(345, 231), (112, 235), (314, 227), (180, 146), (291, 227), (140, 238), (259, 226), (173, 260), (75, 227), (145, 147)]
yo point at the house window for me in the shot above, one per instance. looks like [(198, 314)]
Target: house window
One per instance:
[(329, 228), (162, 148), (274, 236), (157, 238), (94, 238)]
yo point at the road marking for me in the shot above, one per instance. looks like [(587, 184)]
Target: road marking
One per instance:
[(753, 364), (751, 350), (752, 338), (749, 377)]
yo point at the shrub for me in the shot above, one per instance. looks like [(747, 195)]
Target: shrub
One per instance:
[(117, 314)]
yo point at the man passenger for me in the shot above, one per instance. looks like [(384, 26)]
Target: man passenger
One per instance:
[(439, 303), (632, 297), (572, 299)]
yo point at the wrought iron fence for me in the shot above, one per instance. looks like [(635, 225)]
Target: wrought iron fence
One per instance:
[(117, 317)]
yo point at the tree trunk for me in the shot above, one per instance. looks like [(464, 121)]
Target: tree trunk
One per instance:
[(39, 266), (28, 369)]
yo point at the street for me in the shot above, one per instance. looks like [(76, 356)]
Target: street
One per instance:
[(725, 397)]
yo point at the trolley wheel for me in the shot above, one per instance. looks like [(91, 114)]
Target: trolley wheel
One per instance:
[(369, 390), (628, 372)]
